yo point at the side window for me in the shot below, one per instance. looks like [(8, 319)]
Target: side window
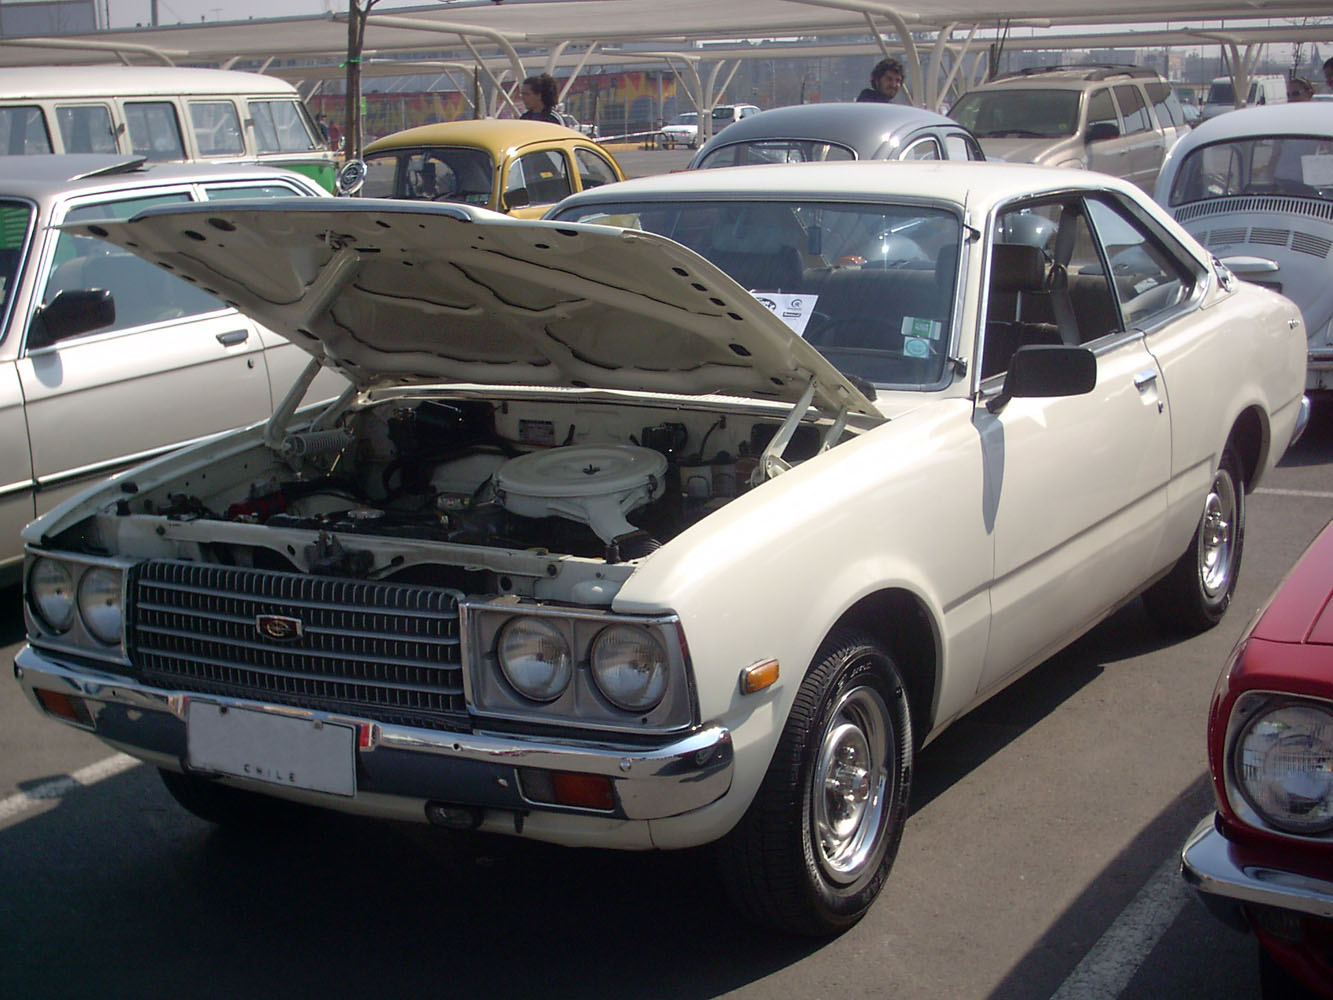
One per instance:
[(246, 192), (1047, 284), (16, 218), (1165, 104), (380, 174), (1132, 109), (922, 149), (217, 128), (1147, 279), (594, 171), (1101, 112), (958, 146), (142, 292), (86, 128), (23, 131), (154, 130), (280, 127), (537, 179)]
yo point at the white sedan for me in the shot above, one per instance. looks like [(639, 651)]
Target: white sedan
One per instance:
[(690, 516)]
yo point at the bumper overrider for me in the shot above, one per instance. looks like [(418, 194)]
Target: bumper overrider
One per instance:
[(498, 781), (1226, 881)]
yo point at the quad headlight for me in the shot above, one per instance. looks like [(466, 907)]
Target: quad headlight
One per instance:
[(99, 599), (534, 656), (1282, 764), (630, 667), (51, 594)]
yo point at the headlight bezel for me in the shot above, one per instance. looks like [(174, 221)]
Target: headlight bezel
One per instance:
[(582, 705), (1252, 709), (78, 637)]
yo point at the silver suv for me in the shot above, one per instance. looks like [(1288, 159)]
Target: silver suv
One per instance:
[(1120, 120)]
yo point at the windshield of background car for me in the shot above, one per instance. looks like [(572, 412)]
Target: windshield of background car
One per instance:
[(688, 118), (283, 126), (871, 287), (1018, 114), (1290, 165), (15, 227), (775, 151), (457, 173)]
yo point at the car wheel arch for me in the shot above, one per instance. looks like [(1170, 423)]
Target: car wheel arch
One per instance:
[(1250, 439), (902, 622)]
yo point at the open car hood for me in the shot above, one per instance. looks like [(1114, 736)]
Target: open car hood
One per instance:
[(398, 293)]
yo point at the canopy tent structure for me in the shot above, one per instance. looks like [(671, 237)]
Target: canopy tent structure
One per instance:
[(505, 42)]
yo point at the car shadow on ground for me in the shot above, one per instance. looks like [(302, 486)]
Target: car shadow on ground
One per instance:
[(1316, 446)]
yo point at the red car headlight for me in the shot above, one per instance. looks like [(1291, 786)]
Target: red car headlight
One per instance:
[(1282, 763)]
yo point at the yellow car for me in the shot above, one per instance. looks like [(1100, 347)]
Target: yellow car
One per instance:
[(514, 166)]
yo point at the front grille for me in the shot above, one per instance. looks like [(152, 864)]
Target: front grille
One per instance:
[(382, 651)]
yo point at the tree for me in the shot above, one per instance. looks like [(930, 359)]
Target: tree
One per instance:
[(356, 39)]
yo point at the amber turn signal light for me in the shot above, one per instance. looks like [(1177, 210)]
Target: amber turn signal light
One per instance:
[(64, 706), (758, 676)]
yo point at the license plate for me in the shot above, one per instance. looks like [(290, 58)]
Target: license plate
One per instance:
[(277, 749)]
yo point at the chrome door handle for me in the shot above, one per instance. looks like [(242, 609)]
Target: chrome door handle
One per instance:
[(233, 337), (1144, 379)]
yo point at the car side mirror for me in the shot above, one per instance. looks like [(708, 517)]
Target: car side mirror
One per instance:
[(1103, 130), (517, 198), (70, 313), (1047, 371)]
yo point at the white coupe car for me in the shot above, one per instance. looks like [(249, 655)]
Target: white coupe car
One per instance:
[(687, 517)]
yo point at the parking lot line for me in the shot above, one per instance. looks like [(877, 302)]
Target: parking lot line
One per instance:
[(1111, 963), (57, 787), (1325, 494)]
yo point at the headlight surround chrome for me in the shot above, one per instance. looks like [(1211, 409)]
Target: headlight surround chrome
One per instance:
[(535, 658), (100, 602), (629, 667), (1282, 765), (51, 594)]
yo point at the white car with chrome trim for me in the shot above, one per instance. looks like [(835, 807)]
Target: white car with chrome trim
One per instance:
[(1255, 187), (688, 516)]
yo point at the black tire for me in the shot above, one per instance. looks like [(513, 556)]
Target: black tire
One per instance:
[(813, 850), (226, 806), (1195, 595)]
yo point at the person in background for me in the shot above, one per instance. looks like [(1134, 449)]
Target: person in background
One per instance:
[(539, 94), (1300, 89), (886, 79), (322, 121), (1328, 72)]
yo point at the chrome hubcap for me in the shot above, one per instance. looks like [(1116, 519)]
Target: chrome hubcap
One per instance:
[(850, 786), (1217, 536)]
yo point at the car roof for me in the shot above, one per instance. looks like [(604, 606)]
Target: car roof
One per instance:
[(488, 133), (44, 175), (978, 185), (1069, 77), (863, 127), (42, 82), (1294, 118)]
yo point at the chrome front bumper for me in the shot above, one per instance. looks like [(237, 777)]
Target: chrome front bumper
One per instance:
[(1214, 866), (407, 764)]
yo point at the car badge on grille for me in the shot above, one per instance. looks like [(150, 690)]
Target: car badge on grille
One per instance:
[(279, 628)]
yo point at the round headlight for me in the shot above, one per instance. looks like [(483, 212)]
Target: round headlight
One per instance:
[(51, 594), (535, 658), (99, 604), (1284, 766), (630, 667)]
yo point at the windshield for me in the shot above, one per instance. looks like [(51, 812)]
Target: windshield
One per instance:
[(871, 287), (776, 151), (1018, 114), (457, 173), (1290, 165), (15, 227), (688, 118)]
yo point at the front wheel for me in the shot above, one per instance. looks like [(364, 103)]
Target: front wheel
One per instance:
[(813, 850), (1195, 595)]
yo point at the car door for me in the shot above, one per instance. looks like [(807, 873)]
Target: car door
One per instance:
[(174, 366), (1143, 143), (17, 224), (1076, 484), (1107, 152)]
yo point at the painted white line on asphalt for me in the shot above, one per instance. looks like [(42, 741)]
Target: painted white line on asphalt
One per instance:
[(1323, 494), (59, 787), (1111, 963)]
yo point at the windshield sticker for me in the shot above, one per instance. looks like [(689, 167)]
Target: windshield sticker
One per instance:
[(794, 310), (1317, 170), (919, 326)]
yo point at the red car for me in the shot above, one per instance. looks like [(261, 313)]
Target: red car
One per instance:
[(1264, 860)]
